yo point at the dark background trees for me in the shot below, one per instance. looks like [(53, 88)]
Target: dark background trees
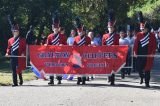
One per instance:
[(92, 13)]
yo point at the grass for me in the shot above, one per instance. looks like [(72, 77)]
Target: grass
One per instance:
[(6, 75)]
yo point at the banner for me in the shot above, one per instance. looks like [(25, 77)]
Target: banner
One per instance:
[(78, 60)]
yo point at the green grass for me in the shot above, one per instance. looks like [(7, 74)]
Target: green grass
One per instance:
[(6, 75)]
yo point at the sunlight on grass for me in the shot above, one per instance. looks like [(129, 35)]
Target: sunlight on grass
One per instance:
[(6, 75), (6, 78)]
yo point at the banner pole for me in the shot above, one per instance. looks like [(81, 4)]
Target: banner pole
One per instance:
[(14, 56)]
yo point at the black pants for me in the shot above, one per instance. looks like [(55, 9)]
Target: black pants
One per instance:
[(14, 73), (111, 79), (144, 74)]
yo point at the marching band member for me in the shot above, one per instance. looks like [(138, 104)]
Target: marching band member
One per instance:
[(56, 38), (81, 40), (111, 38), (16, 47), (145, 45)]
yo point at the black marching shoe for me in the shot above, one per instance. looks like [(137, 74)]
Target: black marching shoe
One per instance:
[(83, 82), (21, 83), (78, 82), (147, 85), (21, 79), (51, 82), (14, 85), (109, 78), (59, 82), (92, 78), (122, 75), (141, 81), (112, 83)]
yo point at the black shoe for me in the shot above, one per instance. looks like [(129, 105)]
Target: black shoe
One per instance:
[(78, 82), (51, 83), (87, 79), (147, 85), (141, 81), (59, 82), (122, 75), (21, 83), (84, 82), (92, 78), (112, 83), (21, 79), (14, 85), (109, 79)]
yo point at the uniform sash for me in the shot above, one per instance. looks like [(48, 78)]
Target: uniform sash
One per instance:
[(109, 41), (81, 42), (56, 40), (145, 40), (14, 50)]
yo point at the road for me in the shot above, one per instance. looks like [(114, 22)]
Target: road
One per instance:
[(98, 92)]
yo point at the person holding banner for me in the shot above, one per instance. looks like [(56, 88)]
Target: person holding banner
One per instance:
[(16, 50), (111, 38), (145, 45), (56, 38), (81, 40)]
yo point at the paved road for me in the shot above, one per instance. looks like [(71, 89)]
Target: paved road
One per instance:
[(96, 93)]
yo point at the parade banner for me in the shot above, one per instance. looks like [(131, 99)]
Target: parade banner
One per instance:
[(77, 59)]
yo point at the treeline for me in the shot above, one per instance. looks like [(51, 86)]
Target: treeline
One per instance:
[(93, 14)]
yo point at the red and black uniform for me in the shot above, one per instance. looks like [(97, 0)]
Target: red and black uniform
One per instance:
[(145, 44), (82, 41), (110, 39), (17, 47), (57, 39)]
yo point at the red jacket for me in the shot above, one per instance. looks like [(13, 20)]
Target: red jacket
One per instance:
[(151, 48), (63, 39), (21, 50), (78, 38), (115, 39)]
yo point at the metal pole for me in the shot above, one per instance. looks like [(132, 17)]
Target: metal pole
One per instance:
[(15, 56)]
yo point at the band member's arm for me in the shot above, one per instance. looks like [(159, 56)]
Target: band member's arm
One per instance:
[(103, 40), (154, 45), (89, 41), (65, 40), (24, 48), (117, 39), (48, 40)]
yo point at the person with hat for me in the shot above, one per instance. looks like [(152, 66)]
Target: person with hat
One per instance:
[(81, 40), (123, 41), (16, 50), (130, 31), (56, 38), (144, 50), (111, 38)]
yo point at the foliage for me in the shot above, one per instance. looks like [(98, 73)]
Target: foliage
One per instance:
[(93, 14)]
